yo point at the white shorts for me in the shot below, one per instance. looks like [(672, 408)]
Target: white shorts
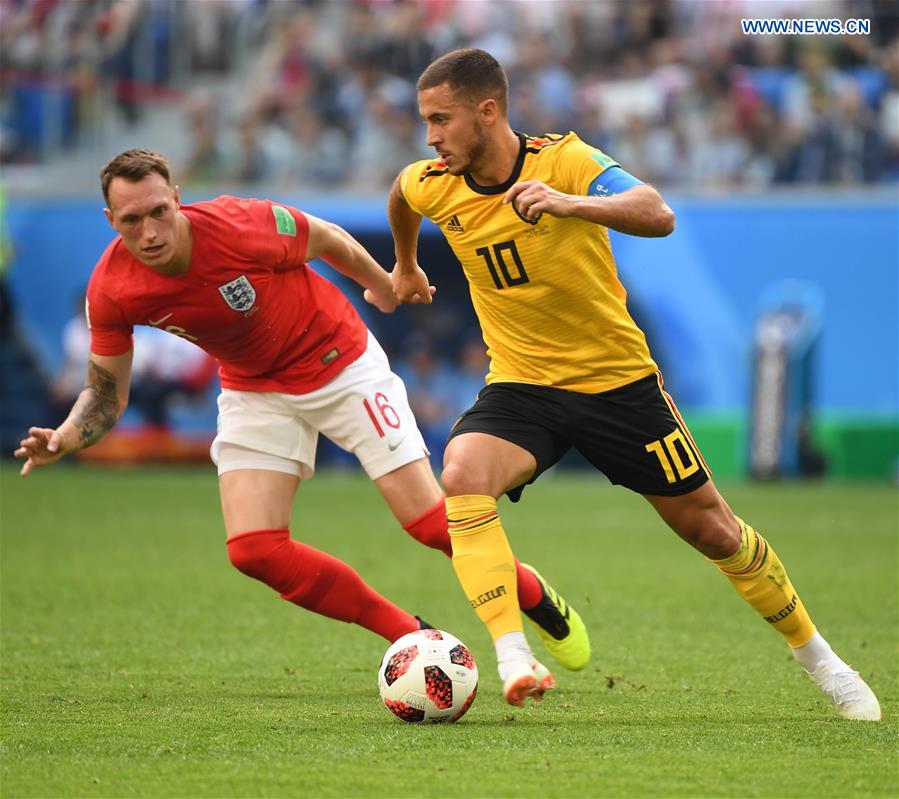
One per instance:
[(363, 410)]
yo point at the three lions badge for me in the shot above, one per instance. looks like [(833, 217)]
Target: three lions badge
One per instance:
[(239, 294)]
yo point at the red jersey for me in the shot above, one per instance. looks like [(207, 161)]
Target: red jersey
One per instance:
[(248, 299)]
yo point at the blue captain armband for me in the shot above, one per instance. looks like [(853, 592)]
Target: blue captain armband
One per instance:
[(613, 180)]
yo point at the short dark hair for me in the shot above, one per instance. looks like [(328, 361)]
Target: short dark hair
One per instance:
[(133, 165), (472, 72)]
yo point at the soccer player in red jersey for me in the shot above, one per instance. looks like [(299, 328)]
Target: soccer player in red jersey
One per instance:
[(295, 360)]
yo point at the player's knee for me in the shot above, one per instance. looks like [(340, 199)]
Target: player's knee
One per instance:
[(255, 553), (459, 479)]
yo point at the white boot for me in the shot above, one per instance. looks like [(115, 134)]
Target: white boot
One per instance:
[(522, 674), (848, 692)]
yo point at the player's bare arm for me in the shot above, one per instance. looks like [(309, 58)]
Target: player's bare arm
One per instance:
[(96, 411), (338, 248), (410, 283), (639, 211)]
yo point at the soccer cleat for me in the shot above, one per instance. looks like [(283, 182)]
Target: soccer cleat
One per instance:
[(849, 693), (422, 624), (527, 681), (545, 680), (559, 626), (518, 686)]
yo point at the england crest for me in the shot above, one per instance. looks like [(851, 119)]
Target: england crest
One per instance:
[(239, 294)]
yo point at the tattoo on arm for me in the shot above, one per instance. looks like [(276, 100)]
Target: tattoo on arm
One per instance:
[(96, 410)]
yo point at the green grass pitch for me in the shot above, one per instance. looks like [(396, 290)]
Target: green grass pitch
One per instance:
[(137, 662)]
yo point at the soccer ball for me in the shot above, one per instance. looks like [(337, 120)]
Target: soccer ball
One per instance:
[(428, 676)]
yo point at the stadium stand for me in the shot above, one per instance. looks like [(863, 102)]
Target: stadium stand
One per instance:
[(258, 88)]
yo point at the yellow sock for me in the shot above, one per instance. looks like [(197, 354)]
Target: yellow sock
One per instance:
[(760, 578), (484, 562)]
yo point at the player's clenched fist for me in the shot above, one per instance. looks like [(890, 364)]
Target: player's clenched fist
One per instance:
[(411, 285), (532, 198)]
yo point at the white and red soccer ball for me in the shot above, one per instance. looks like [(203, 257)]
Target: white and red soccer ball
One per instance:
[(428, 676)]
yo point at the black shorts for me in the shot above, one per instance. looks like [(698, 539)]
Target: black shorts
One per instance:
[(633, 434)]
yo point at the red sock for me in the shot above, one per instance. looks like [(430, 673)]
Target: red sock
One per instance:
[(316, 581), (431, 530)]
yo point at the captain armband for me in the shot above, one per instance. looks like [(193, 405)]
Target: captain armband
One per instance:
[(613, 180)]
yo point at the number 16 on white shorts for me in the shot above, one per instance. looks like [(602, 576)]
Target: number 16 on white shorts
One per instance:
[(364, 410)]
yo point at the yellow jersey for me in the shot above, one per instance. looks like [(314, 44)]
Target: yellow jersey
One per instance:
[(552, 309)]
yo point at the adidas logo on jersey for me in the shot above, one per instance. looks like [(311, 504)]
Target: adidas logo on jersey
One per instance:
[(454, 225)]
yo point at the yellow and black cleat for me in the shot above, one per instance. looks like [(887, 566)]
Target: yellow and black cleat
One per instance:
[(560, 627)]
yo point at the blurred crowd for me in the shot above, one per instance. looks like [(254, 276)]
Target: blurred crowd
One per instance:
[(321, 94)]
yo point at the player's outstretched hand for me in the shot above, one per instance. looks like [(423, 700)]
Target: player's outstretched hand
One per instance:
[(42, 447), (530, 198), (411, 286), (384, 301)]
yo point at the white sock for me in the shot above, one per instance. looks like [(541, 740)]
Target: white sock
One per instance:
[(816, 651), (512, 650)]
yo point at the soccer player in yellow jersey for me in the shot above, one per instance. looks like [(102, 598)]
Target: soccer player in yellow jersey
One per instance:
[(528, 219)]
